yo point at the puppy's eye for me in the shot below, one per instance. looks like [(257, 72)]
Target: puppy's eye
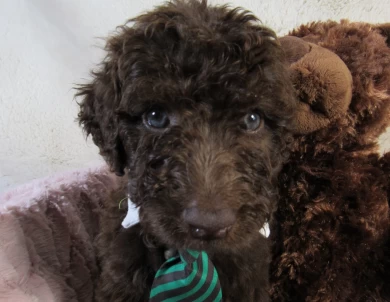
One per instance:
[(252, 121), (157, 118)]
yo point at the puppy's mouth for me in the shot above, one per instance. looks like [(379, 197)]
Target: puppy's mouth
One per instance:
[(209, 234), (211, 224)]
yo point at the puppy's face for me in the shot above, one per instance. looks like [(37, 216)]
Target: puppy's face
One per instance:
[(192, 101)]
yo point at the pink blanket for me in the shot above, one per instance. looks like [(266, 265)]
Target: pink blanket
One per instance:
[(46, 232)]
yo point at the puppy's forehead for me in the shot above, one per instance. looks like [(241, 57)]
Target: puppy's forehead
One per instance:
[(217, 56), (187, 94), (212, 74)]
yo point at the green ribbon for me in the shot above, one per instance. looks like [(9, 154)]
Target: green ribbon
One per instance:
[(189, 276)]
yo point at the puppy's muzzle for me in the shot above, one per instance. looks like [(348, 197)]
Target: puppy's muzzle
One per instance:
[(209, 224)]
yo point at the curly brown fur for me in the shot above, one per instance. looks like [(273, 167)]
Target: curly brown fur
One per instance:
[(332, 239), (365, 52), (207, 67)]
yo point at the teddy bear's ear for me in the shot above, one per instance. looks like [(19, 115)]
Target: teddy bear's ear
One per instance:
[(322, 81)]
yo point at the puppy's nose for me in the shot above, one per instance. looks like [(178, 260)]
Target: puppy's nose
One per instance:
[(209, 224)]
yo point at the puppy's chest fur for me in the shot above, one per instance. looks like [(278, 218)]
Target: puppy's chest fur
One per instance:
[(129, 267), (244, 277)]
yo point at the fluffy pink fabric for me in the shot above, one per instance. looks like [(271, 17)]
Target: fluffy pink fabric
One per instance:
[(46, 232)]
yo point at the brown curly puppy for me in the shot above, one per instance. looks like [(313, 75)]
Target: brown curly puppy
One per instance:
[(192, 102)]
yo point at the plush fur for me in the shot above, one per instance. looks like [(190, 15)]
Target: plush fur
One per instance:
[(332, 232), (47, 231), (207, 67)]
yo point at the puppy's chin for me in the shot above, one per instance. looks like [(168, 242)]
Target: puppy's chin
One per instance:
[(232, 245), (238, 239)]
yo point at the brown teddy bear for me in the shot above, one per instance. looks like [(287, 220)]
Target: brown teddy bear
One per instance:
[(331, 230)]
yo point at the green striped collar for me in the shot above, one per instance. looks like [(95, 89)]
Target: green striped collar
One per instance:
[(188, 276)]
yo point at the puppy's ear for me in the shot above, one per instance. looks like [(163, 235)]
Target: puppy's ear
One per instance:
[(97, 115)]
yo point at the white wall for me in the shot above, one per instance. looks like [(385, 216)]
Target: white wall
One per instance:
[(48, 45)]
